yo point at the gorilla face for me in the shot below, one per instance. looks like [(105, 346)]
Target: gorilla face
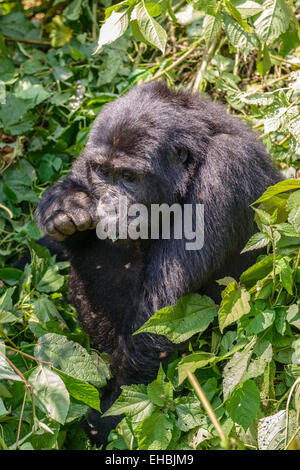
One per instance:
[(142, 170)]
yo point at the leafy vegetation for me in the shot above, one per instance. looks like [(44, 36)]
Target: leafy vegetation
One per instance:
[(238, 384)]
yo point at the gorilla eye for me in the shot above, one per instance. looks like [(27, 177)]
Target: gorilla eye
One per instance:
[(128, 176), (183, 154), (102, 171)]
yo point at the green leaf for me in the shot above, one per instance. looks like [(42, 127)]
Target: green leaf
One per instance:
[(60, 33), (71, 358), (190, 413), (149, 27), (212, 26), (257, 271), (36, 93), (51, 281), (81, 391), (208, 6), (160, 391), (234, 305), (6, 371), (193, 362), (113, 28), (133, 402), (237, 16), (272, 430), (155, 432), (236, 367), (261, 322), (50, 393), (72, 12), (243, 404), (45, 310), (285, 273), (238, 37), (257, 241), (273, 21), (248, 8), (293, 204), (191, 314)]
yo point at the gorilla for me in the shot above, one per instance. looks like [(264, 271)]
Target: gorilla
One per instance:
[(152, 146)]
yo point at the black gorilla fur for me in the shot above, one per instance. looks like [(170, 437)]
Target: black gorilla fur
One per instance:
[(182, 149)]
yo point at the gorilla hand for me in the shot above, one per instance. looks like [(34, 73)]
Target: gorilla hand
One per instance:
[(64, 209)]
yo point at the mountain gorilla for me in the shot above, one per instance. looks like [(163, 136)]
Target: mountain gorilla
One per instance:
[(154, 146)]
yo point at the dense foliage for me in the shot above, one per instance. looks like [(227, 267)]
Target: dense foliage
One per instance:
[(242, 358)]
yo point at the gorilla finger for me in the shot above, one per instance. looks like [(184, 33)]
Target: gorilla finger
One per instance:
[(53, 233), (64, 224), (82, 220)]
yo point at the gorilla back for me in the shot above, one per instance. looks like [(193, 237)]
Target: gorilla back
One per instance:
[(154, 146)]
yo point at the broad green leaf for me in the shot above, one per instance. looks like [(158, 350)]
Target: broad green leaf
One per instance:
[(208, 6), (274, 121), (261, 322), (293, 204), (272, 430), (160, 391), (50, 393), (235, 368), (71, 358), (237, 16), (239, 38), (6, 307), (257, 366), (72, 12), (6, 370), (10, 276), (190, 413), (243, 404), (60, 33), (82, 391), (193, 362), (191, 314), (273, 21), (150, 28), (114, 27), (45, 310), (248, 8), (285, 273), (155, 432), (234, 305), (51, 281), (133, 402), (257, 98), (257, 271), (257, 241), (36, 93), (212, 26)]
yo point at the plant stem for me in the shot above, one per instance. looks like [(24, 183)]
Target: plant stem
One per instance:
[(11, 215), (206, 60), (21, 417), (29, 41), (207, 406)]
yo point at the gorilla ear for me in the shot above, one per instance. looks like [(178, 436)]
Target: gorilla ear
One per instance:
[(179, 155)]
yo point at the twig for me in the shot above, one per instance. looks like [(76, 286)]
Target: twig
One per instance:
[(207, 406), (291, 441), (285, 61), (21, 417), (29, 41), (11, 215), (206, 60)]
